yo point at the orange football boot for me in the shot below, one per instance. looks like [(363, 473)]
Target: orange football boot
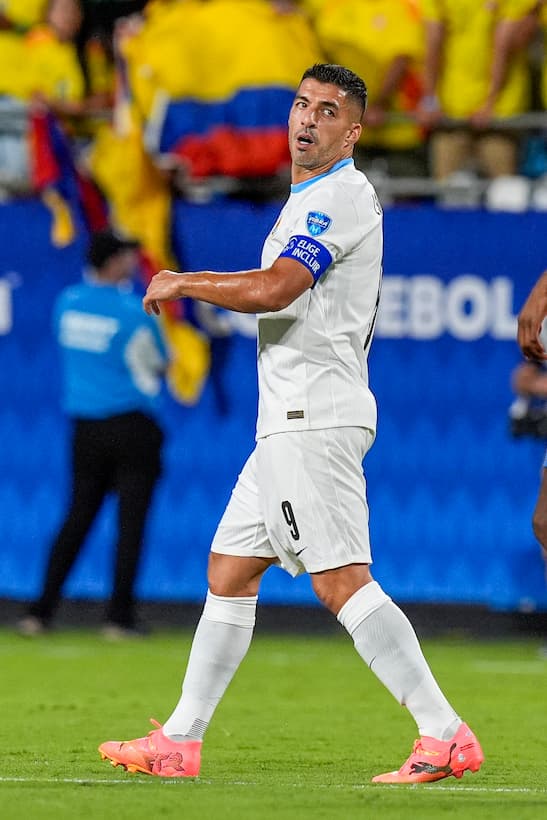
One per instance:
[(433, 759), (155, 754)]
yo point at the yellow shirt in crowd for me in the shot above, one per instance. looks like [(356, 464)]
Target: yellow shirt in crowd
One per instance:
[(467, 55), (543, 20), (39, 62), (52, 66), (210, 50), (24, 13), (366, 36)]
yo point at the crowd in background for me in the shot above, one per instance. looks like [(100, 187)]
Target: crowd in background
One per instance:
[(177, 93)]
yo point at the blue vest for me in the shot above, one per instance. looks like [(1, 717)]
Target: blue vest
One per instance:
[(113, 354)]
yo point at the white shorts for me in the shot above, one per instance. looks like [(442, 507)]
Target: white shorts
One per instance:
[(301, 499)]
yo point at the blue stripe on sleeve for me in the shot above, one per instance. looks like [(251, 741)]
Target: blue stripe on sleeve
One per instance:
[(311, 253)]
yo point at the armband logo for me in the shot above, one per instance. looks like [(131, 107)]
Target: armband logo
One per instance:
[(317, 222)]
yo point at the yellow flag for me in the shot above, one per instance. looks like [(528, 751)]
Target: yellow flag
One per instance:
[(62, 229), (190, 359)]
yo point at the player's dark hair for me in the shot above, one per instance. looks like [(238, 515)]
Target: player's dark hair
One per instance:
[(345, 79)]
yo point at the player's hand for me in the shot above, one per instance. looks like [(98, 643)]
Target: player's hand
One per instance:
[(528, 338), (163, 287)]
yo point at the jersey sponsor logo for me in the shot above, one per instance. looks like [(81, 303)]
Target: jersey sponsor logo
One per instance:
[(317, 222), (312, 254)]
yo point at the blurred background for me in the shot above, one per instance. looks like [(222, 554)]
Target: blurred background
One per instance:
[(168, 118)]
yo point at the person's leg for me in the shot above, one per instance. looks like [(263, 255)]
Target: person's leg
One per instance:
[(450, 151), (220, 643), (386, 641), (88, 491), (539, 524), (539, 519), (240, 555), (135, 491), (138, 455), (497, 154), (314, 498)]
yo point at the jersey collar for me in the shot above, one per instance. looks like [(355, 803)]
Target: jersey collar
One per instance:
[(301, 186)]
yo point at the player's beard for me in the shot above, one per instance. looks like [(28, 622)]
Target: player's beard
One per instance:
[(311, 161), (308, 159)]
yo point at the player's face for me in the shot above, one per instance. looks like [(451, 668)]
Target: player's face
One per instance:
[(323, 127)]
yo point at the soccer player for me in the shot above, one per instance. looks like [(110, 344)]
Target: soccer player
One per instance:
[(300, 498), (530, 342), (530, 319)]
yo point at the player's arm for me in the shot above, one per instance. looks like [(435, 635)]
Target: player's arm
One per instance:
[(429, 110), (393, 77), (539, 520), (253, 291), (530, 319), (506, 40)]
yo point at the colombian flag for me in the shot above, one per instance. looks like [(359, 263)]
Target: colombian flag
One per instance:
[(215, 82), (243, 136), (75, 202)]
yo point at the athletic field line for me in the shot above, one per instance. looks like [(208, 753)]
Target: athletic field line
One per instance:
[(132, 781), (535, 666)]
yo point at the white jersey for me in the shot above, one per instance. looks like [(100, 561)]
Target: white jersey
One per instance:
[(312, 355)]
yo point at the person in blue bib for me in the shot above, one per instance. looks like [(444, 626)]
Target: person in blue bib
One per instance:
[(113, 358)]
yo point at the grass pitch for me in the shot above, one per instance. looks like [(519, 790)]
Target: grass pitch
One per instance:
[(300, 732)]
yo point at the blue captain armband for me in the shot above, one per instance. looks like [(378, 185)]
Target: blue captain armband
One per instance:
[(311, 253)]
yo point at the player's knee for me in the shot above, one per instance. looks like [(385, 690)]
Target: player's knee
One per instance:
[(334, 587), (327, 596), (232, 576), (222, 585)]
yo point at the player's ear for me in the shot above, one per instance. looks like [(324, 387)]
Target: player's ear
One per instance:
[(354, 132)]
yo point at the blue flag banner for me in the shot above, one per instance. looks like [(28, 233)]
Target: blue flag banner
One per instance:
[(451, 492)]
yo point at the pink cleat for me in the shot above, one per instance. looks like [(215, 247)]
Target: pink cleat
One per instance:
[(433, 759), (155, 754)]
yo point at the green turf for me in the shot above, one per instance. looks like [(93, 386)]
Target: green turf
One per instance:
[(301, 731)]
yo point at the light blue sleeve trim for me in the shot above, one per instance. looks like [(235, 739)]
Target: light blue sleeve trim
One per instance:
[(301, 186)]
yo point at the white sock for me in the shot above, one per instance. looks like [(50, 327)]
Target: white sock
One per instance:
[(385, 639), (220, 643)]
